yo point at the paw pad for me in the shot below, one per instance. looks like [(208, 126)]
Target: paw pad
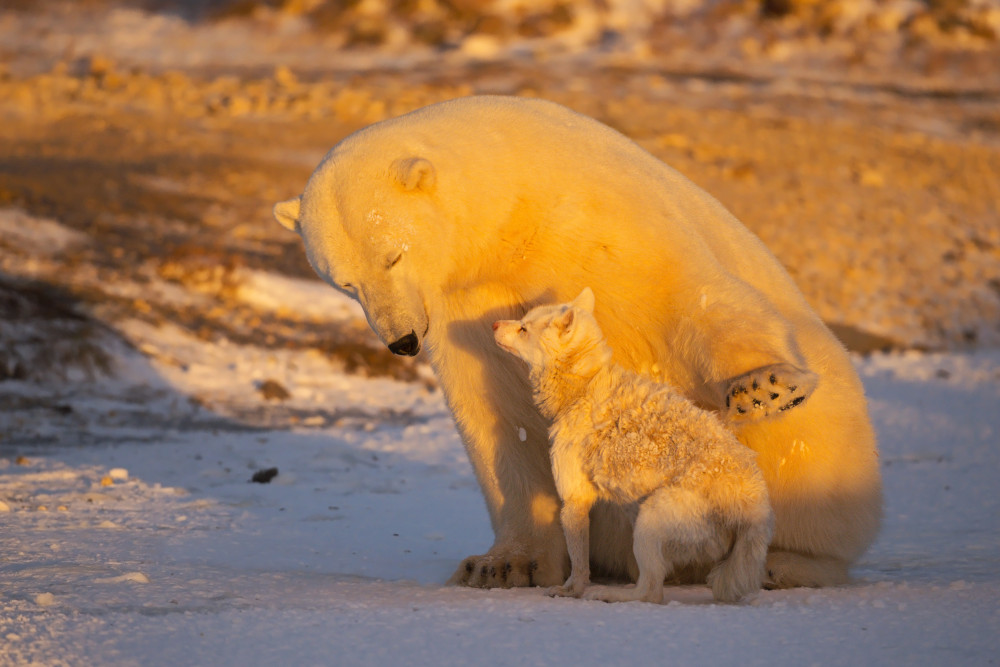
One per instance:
[(768, 391)]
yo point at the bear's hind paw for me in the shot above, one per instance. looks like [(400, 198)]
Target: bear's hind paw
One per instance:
[(768, 391)]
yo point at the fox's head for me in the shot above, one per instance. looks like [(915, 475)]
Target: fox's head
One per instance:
[(556, 334)]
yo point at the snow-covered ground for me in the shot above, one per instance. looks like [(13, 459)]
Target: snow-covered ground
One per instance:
[(132, 534)]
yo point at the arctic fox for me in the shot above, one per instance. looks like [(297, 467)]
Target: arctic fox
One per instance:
[(693, 492)]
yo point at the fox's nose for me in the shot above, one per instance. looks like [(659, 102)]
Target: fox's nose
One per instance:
[(496, 325)]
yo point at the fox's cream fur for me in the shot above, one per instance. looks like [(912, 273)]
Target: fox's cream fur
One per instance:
[(451, 217), (693, 492)]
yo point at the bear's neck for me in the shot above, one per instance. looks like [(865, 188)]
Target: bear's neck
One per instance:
[(564, 381)]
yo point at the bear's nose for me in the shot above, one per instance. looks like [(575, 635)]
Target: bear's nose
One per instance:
[(406, 346), (496, 325)]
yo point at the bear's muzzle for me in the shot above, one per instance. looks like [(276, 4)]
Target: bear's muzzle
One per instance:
[(407, 346)]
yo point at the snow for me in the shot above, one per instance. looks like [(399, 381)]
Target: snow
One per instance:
[(131, 534), (310, 299), (34, 233), (134, 536)]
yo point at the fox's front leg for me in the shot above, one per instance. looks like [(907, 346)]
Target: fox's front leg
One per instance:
[(575, 517)]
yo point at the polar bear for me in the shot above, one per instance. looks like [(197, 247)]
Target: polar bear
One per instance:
[(453, 216)]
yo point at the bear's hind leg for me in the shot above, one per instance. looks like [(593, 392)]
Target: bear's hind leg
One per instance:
[(767, 391), (788, 569)]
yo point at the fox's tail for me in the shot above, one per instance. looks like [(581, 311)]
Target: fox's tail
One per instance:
[(741, 573)]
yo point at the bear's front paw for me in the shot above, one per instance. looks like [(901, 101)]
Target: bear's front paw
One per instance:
[(503, 570), (768, 391)]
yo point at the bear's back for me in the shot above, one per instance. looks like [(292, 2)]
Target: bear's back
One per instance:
[(548, 154)]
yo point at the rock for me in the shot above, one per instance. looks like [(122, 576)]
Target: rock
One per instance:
[(284, 77), (100, 66), (264, 476), (272, 390)]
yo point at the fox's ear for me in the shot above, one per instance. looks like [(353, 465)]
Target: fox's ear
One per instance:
[(287, 213), (585, 300), (414, 173), (564, 322)]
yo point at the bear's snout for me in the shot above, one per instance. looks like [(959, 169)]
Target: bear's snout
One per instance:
[(407, 346)]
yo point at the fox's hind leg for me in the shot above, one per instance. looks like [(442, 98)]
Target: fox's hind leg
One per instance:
[(671, 527), (653, 568)]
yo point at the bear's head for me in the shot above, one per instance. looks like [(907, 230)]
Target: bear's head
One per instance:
[(366, 226)]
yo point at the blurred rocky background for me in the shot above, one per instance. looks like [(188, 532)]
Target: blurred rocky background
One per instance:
[(143, 142), (932, 37)]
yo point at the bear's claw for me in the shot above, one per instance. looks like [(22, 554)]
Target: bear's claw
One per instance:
[(488, 571), (767, 391)]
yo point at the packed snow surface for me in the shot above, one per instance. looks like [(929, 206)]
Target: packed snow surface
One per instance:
[(132, 534)]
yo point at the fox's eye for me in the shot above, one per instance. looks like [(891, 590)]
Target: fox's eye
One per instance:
[(522, 329), (394, 260)]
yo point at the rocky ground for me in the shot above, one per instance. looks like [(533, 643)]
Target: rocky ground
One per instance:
[(878, 191)]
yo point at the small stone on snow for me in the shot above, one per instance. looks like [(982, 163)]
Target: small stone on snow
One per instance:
[(264, 476)]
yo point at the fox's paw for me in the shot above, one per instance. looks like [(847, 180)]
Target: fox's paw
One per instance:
[(573, 588), (563, 592), (503, 569), (629, 593), (768, 391)]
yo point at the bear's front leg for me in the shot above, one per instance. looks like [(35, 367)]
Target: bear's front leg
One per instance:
[(767, 391), (507, 442), (515, 476), (512, 565)]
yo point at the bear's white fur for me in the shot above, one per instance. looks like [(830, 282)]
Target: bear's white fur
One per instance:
[(693, 493), (462, 213)]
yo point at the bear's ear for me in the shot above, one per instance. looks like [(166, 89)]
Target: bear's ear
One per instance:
[(414, 173), (585, 300), (287, 213)]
